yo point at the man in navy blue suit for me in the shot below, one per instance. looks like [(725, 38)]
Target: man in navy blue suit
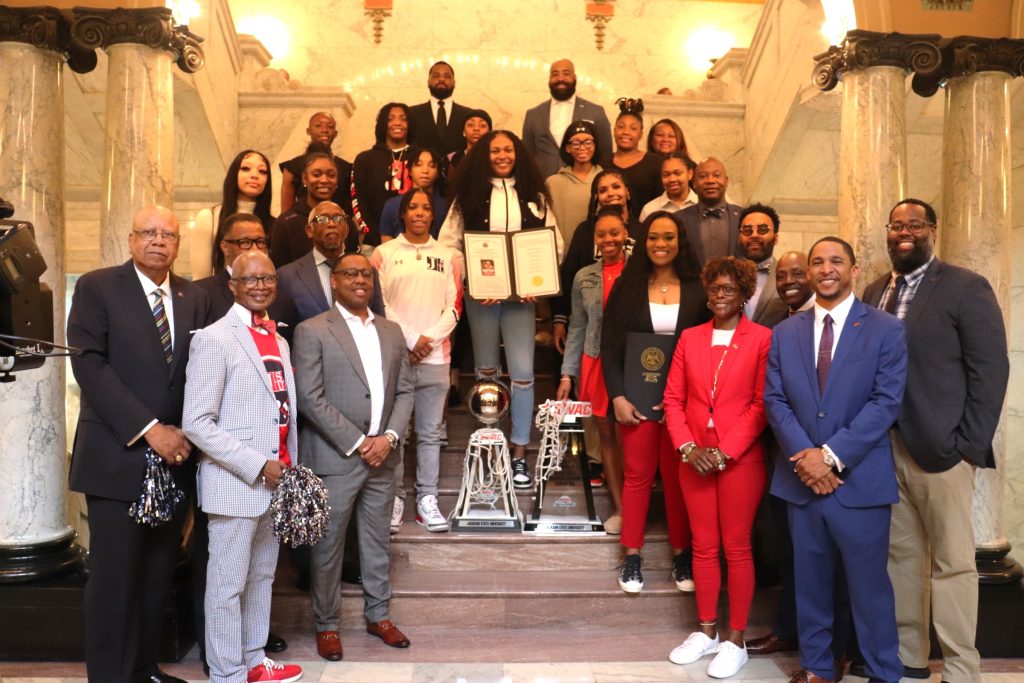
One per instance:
[(834, 387)]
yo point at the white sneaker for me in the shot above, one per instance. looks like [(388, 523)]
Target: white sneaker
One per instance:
[(693, 648), (428, 516), (729, 660), (397, 512)]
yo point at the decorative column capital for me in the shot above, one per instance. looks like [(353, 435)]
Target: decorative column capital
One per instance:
[(967, 55), (150, 26), (44, 28), (859, 50)]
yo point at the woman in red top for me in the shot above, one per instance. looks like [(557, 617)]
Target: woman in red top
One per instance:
[(715, 414)]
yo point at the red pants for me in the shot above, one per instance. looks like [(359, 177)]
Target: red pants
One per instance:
[(646, 447), (722, 507)]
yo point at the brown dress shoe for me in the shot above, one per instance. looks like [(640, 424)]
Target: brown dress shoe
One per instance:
[(388, 632), (769, 645), (328, 645), (804, 676)]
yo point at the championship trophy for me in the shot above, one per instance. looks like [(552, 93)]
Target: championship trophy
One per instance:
[(487, 500), (564, 502)]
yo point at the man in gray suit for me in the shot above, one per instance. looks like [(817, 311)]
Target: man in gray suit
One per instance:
[(239, 398), (956, 382), (759, 230), (355, 396), (712, 224), (545, 124)]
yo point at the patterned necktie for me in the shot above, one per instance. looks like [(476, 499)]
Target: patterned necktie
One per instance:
[(267, 324), (824, 353), (329, 264), (764, 268), (712, 213), (442, 120), (163, 328), (894, 298)]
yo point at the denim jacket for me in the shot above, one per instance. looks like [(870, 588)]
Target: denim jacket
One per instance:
[(584, 334)]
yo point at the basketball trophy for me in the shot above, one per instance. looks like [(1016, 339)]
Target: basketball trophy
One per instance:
[(564, 500), (487, 500)]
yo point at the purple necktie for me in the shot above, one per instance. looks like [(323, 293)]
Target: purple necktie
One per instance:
[(824, 353)]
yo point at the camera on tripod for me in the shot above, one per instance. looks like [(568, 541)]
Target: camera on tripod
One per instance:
[(26, 304)]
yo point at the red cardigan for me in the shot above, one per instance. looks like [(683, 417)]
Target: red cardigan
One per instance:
[(738, 407)]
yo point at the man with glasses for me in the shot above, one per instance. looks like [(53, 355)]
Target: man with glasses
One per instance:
[(759, 230), (307, 280), (355, 396), (239, 412), (131, 325), (956, 382), (712, 224)]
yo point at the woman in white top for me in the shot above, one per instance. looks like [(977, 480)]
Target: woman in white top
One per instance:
[(499, 189), (247, 188)]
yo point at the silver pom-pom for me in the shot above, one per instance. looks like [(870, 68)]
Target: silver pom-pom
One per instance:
[(299, 507), (160, 495)]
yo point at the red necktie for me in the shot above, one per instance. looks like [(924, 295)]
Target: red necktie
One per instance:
[(265, 323)]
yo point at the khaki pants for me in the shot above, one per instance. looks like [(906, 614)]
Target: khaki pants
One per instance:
[(932, 566)]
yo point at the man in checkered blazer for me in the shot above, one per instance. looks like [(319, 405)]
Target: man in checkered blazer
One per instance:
[(239, 411)]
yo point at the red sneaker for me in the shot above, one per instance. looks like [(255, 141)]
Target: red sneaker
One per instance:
[(270, 670)]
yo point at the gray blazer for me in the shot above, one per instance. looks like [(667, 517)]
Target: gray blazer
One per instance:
[(537, 134), (334, 395), (957, 368), (584, 333), (770, 310), (232, 416), (690, 216)]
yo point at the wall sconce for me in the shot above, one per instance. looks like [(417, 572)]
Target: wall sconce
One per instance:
[(377, 11), (600, 12)]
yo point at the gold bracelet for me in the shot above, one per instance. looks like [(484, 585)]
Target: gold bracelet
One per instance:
[(685, 451)]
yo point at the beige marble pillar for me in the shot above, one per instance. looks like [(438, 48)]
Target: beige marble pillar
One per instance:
[(35, 538), (873, 141), (138, 165), (976, 211)]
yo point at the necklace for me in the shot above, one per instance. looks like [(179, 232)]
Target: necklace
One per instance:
[(714, 384)]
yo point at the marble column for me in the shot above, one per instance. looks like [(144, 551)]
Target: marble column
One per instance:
[(138, 165), (35, 538), (975, 227), (873, 141)]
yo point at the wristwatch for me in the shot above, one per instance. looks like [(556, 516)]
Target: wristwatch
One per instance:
[(827, 457), (392, 439)]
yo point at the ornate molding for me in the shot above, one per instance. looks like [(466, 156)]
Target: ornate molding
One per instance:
[(967, 55), (44, 28), (152, 26), (859, 50)]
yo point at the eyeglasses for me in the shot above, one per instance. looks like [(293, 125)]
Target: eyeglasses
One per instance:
[(728, 290), (914, 227), (581, 144), (150, 234), (353, 273), (246, 244), (253, 280), (325, 219), (762, 229)]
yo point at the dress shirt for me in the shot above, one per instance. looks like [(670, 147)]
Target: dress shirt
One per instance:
[(245, 315), (148, 286), (762, 279), (840, 312), (663, 203), (447, 109), (323, 271), (561, 117), (912, 280), (364, 334)]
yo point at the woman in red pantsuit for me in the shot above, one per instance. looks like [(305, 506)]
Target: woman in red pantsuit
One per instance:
[(715, 414)]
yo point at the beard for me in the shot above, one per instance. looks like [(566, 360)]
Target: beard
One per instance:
[(917, 257), (561, 92), (441, 92)]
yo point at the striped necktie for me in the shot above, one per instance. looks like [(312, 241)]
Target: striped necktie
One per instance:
[(163, 328)]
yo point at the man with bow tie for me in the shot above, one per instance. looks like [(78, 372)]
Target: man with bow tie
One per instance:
[(240, 413), (712, 224)]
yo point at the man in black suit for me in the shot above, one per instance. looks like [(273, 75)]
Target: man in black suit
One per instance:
[(131, 324), (956, 382), (712, 224), (438, 122), (545, 124)]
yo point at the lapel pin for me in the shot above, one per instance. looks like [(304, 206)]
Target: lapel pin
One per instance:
[(181, 294), (857, 324)]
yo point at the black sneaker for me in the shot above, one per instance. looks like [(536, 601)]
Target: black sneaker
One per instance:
[(596, 475), (682, 571), (520, 474), (631, 580)]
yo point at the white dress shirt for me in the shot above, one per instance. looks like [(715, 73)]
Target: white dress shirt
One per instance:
[(561, 117), (447, 109), (663, 203), (364, 333), (840, 312), (148, 286)]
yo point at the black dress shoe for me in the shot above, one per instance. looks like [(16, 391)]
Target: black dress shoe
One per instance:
[(859, 669), (918, 672), (275, 643), (160, 677), (769, 644)]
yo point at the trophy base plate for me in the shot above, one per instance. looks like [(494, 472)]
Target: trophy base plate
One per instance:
[(564, 526), (487, 521)]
